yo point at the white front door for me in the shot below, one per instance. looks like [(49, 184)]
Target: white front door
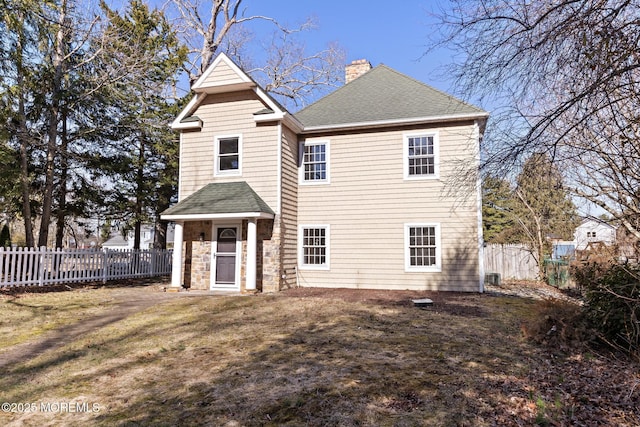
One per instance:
[(225, 263)]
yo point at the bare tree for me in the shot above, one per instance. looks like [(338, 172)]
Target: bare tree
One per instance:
[(567, 76), (289, 72), (295, 76), (204, 37)]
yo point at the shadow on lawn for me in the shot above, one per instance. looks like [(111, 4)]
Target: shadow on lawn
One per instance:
[(347, 367), (274, 360)]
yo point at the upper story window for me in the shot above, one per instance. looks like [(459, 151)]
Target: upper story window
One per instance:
[(228, 155), (315, 162), (421, 156)]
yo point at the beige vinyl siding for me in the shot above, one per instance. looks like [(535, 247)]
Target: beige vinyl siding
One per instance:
[(368, 203), (289, 206), (226, 115), (222, 75)]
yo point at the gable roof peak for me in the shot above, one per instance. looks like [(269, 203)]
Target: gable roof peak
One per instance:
[(223, 75), (232, 75)]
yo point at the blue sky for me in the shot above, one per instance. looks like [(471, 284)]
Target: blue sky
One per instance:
[(393, 33)]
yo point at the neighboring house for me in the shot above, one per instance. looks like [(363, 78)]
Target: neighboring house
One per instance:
[(147, 236), (374, 186), (593, 230), (117, 242)]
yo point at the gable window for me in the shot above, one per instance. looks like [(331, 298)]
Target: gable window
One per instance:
[(315, 162), (314, 247), (591, 234), (421, 156), (228, 155), (422, 247)]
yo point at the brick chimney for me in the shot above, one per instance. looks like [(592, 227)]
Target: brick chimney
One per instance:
[(356, 69)]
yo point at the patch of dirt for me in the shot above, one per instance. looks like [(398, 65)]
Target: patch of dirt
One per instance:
[(525, 289), (533, 290), (456, 303), (379, 297)]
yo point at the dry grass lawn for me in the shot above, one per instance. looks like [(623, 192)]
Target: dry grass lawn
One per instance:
[(298, 359)]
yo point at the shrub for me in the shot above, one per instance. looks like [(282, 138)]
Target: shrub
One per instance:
[(558, 324), (612, 301)]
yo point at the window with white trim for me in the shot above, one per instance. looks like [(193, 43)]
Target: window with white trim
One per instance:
[(314, 247), (315, 162), (421, 156), (228, 155), (422, 247)]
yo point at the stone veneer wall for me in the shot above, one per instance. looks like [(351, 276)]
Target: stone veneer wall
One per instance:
[(197, 268), (197, 254), (268, 264), (271, 259)]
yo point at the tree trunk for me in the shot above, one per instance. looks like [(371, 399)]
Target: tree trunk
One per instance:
[(535, 236), (160, 234), (139, 195), (23, 138), (64, 173), (24, 176), (52, 134)]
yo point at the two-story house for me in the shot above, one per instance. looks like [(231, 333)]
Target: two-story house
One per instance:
[(374, 186), (594, 230)]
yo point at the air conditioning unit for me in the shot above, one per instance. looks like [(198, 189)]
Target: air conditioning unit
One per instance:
[(492, 279)]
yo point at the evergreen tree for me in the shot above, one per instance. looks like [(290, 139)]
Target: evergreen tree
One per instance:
[(497, 207), (142, 155), (543, 208)]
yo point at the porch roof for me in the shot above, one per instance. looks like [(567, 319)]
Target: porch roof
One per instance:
[(220, 200)]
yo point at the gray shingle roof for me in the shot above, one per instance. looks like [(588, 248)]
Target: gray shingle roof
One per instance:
[(220, 198), (382, 94)]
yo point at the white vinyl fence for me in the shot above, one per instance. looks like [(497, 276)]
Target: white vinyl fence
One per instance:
[(510, 261), (43, 266)]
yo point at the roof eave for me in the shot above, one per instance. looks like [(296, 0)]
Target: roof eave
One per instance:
[(233, 215), (288, 119), (222, 87), (195, 124), (392, 122)]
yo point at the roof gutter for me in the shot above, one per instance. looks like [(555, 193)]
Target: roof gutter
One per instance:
[(391, 122), (202, 217)]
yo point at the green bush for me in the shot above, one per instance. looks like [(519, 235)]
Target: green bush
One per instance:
[(612, 301)]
